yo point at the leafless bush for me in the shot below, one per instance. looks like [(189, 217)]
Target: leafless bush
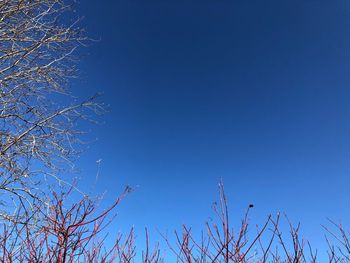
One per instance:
[(74, 231), (66, 233), (222, 243)]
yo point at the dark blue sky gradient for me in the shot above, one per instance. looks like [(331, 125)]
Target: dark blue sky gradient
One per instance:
[(254, 91)]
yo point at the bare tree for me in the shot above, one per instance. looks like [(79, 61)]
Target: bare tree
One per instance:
[(38, 116)]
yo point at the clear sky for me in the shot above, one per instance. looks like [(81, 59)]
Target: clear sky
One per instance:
[(256, 92)]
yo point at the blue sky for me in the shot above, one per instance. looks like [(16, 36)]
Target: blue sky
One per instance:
[(256, 92)]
